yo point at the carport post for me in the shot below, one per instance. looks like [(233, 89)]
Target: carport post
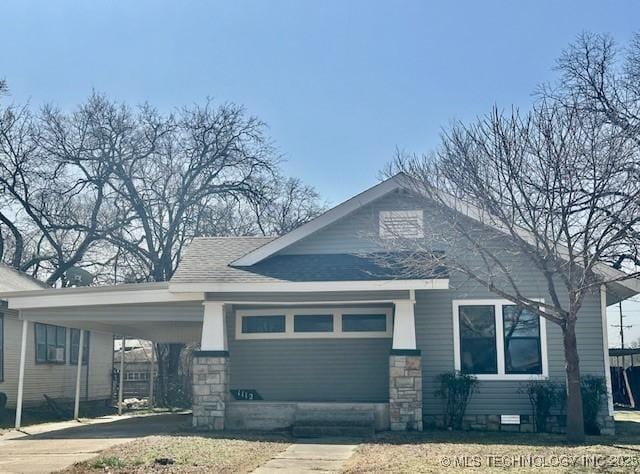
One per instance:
[(152, 372), (120, 387), (23, 356), (76, 407)]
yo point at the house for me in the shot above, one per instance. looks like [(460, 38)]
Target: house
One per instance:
[(307, 321), (138, 361), (51, 353)]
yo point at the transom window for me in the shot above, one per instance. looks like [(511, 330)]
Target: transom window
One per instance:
[(51, 343), (313, 323), (495, 339)]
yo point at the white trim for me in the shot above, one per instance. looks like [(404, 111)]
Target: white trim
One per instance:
[(289, 313), (63, 298), (310, 286), (605, 347), (501, 375), (321, 221)]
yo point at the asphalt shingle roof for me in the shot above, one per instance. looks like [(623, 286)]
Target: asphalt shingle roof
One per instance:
[(208, 260)]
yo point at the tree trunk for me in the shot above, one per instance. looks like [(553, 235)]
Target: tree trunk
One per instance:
[(575, 421)]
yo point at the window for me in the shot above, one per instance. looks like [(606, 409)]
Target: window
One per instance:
[(51, 343), (310, 323), (364, 322), (75, 343), (522, 352), (478, 340), (401, 224), (495, 339), (262, 324), (1, 347), (313, 323)]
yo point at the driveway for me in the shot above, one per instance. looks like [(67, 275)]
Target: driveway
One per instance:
[(54, 450)]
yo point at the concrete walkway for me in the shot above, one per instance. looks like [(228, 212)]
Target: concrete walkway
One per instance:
[(309, 458), (54, 446)]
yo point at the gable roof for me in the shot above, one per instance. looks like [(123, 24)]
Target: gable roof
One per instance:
[(14, 280), (323, 220)]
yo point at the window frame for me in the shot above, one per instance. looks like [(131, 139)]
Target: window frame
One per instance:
[(46, 361), (73, 357), (337, 312), (499, 324)]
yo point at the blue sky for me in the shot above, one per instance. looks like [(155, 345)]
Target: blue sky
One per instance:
[(341, 84)]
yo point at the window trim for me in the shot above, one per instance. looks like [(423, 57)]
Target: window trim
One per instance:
[(337, 332), (35, 341), (501, 375)]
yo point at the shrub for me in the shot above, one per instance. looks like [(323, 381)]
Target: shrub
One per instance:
[(543, 395), (456, 389), (594, 392)]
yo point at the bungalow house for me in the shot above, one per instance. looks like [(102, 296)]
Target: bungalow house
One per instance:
[(51, 353), (306, 323)]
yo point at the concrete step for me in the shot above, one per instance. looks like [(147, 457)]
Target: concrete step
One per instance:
[(318, 431), (335, 418)]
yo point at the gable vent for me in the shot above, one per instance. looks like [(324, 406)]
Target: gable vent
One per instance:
[(401, 224)]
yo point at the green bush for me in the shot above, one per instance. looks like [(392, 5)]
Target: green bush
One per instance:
[(543, 396), (456, 389)]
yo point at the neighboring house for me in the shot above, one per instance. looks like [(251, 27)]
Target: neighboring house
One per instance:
[(51, 353), (137, 368), (309, 321)]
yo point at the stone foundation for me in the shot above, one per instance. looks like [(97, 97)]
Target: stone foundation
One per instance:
[(210, 389), (405, 390), (555, 423)]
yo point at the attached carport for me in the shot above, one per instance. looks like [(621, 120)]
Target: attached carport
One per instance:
[(141, 311)]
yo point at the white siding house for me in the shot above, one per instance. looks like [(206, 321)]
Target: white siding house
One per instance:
[(53, 372)]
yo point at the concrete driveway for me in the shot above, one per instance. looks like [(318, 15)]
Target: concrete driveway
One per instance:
[(70, 442)]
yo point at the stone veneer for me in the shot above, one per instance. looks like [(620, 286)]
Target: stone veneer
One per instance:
[(210, 389), (555, 423), (405, 390)]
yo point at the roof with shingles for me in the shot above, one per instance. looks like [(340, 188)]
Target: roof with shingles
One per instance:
[(208, 260), (14, 280)]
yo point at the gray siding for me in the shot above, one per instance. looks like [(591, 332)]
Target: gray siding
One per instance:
[(434, 312), (339, 369)]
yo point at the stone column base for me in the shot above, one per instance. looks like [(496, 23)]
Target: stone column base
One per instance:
[(405, 390), (210, 389)]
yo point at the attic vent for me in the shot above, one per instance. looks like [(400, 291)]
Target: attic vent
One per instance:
[(401, 224)]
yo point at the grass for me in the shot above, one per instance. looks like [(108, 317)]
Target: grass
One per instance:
[(448, 451), (187, 453)]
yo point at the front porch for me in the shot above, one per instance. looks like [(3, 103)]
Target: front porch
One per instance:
[(368, 360)]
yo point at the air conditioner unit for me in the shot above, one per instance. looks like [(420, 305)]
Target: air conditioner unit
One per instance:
[(56, 354)]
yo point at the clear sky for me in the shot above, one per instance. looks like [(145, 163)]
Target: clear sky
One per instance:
[(341, 83)]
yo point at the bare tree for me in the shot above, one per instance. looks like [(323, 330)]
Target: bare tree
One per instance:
[(553, 191)]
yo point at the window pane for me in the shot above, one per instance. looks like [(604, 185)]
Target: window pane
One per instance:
[(519, 322), (313, 323), (364, 322), (478, 353), (522, 352), (260, 324), (61, 336), (51, 335)]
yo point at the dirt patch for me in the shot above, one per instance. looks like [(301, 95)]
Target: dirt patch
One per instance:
[(439, 451), (186, 453)]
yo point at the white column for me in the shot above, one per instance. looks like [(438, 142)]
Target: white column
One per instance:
[(605, 347), (214, 334), (121, 384), (152, 372), (404, 326), (76, 407), (23, 356)]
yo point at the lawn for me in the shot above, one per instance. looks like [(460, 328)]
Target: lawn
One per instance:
[(187, 453), (445, 451)]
